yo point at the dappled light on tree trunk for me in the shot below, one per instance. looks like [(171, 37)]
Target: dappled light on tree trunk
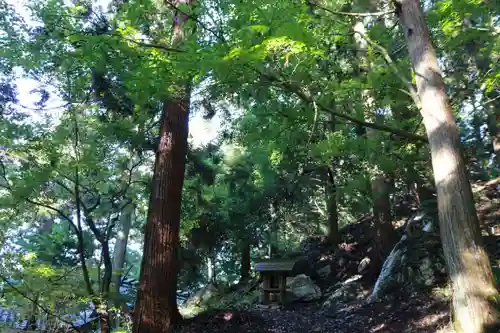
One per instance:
[(474, 291)]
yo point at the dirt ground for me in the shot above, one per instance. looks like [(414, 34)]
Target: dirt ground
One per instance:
[(414, 314)]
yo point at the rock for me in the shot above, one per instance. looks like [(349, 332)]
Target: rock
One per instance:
[(415, 262), (201, 296), (302, 288), (345, 292), (302, 266), (325, 271), (363, 265), (355, 278)]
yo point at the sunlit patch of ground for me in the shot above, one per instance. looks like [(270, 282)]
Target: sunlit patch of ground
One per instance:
[(418, 313)]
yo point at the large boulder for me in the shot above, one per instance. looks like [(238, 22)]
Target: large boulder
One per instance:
[(415, 262), (346, 292), (302, 288), (201, 296)]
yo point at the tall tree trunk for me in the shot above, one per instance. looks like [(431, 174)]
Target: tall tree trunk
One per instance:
[(385, 236), (331, 195), (333, 214), (102, 305), (245, 262), (120, 250), (274, 230), (119, 254), (474, 290), (156, 305)]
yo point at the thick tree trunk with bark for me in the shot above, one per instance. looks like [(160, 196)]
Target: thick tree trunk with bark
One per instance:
[(474, 290), (386, 236), (245, 263), (156, 306)]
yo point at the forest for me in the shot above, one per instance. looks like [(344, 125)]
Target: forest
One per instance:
[(160, 158)]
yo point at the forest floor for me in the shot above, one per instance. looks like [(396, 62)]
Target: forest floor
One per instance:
[(418, 313), (422, 312)]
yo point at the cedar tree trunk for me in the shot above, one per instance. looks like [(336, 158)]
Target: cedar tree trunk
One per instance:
[(156, 306), (474, 290)]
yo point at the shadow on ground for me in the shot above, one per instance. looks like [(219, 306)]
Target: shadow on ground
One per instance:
[(402, 315)]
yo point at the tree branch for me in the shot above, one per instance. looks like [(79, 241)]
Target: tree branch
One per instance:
[(58, 211), (4, 176), (306, 96), (413, 92), (195, 19), (153, 46), (382, 13)]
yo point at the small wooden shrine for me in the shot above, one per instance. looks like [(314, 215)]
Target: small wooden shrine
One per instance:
[(274, 273)]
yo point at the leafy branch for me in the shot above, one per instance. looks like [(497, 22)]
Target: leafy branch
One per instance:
[(331, 11), (35, 302), (306, 96), (387, 58)]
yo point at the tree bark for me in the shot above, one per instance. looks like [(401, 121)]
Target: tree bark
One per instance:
[(245, 263), (333, 214), (120, 249), (274, 230), (119, 254), (385, 234), (156, 306), (474, 290), (331, 195)]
